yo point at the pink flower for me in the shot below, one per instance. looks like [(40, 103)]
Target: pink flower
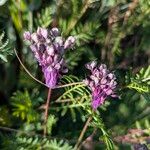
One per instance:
[(101, 82)]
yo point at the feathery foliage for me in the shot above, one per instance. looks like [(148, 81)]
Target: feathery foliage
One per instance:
[(140, 82), (97, 123), (51, 121), (23, 106), (32, 143), (114, 32), (4, 47), (74, 98), (44, 18)]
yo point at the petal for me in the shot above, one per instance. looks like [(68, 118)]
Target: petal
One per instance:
[(86, 82), (34, 37), (55, 32), (50, 50), (110, 75), (51, 77), (97, 101), (103, 81), (59, 40), (93, 64), (57, 66), (27, 35), (34, 48), (42, 32), (109, 92)]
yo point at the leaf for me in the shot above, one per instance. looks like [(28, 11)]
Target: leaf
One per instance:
[(3, 58), (23, 107), (44, 19), (78, 97), (4, 48), (140, 82)]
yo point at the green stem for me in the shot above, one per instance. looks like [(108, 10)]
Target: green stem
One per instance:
[(30, 21)]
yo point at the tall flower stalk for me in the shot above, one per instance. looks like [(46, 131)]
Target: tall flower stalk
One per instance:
[(46, 111), (48, 47), (102, 84)]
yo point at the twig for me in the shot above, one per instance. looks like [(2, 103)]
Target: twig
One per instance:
[(46, 111), (83, 132), (27, 71), (11, 129), (88, 138)]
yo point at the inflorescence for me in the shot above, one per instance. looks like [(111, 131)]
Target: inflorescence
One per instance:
[(49, 48), (101, 82)]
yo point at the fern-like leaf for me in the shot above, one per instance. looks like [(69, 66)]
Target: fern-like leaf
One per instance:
[(44, 19), (4, 47), (22, 106), (74, 98), (98, 123), (26, 143), (140, 82)]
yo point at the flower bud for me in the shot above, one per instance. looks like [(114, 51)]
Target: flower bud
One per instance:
[(91, 65), (55, 32), (59, 41), (34, 37), (27, 36), (50, 50), (42, 32), (69, 43)]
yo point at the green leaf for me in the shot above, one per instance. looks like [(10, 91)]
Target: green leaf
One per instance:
[(4, 48)]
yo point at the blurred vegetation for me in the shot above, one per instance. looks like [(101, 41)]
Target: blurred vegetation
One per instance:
[(114, 32)]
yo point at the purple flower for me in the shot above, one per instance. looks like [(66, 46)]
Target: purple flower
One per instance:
[(48, 48), (101, 82), (51, 76), (27, 35), (69, 42)]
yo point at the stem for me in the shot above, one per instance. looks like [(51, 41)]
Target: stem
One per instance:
[(46, 111), (91, 136), (27, 71), (69, 84), (30, 21), (82, 133)]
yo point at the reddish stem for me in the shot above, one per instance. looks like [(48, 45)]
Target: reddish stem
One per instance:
[(46, 111), (83, 132)]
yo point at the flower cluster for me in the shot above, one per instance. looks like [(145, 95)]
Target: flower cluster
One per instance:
[(101, 82), (48, 48)]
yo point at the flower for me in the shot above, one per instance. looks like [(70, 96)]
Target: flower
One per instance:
[(48, 48), (101, 82)]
